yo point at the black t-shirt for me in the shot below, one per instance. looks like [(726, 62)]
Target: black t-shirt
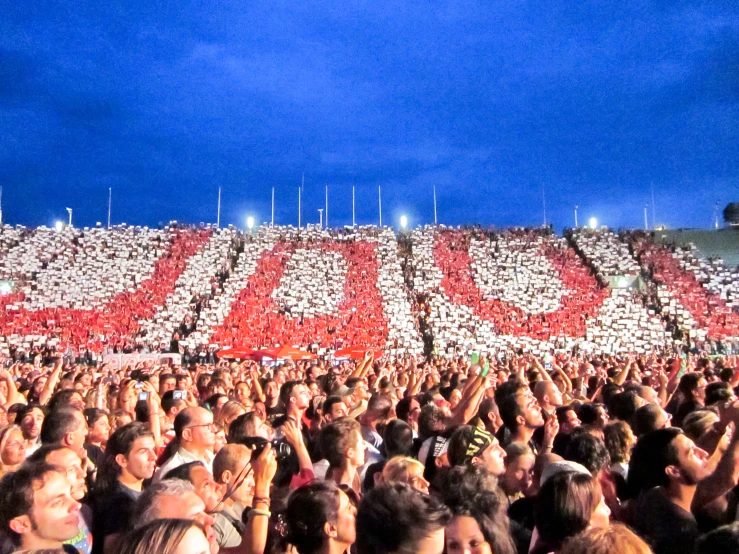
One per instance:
[(94, 453), (113, 511), (663, 524), (274, 413)]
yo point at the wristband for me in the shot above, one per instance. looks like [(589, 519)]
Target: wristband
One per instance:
[(261, 513)]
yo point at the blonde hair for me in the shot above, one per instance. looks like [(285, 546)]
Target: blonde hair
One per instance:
[(228, 412), (4, 437), (616, 539), (398, 470)]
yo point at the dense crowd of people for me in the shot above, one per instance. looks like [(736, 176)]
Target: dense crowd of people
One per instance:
[(503, 393), (191, 290), (563, 453)]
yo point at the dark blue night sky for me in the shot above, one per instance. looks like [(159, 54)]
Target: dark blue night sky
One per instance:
[(489, 101)]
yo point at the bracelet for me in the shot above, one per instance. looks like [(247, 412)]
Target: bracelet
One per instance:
[(261, 513), (261, 499)]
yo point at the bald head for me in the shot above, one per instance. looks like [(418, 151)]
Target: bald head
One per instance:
[(194, 428)]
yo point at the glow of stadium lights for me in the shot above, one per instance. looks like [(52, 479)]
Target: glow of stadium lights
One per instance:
[(593, 223), (250, 222), (403, 221), (58, 226)]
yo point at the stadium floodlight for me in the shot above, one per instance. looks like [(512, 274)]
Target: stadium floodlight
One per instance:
[(403, 221), (593, 223), (58, 226), (250, 222)]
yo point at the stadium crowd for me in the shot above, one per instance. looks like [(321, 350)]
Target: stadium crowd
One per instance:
[(503, 394)]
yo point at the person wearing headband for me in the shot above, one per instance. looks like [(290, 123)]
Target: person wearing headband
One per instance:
[(475, 446)]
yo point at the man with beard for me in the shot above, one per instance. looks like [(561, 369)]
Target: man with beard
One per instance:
[(521, 414), (675, 479), (31, 420)]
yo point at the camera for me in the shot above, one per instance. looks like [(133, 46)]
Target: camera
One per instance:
[(281, 448), (179, 395)]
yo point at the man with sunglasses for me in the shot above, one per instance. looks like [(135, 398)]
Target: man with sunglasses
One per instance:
[(195, 436)]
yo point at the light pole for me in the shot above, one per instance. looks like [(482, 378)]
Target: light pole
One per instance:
[(250, 223), (575, 216), (320, 217), (403, 222), (646, 224), (69, 211), (593, 223)]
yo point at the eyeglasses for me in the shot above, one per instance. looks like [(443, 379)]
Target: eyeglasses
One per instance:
[(211, 426)]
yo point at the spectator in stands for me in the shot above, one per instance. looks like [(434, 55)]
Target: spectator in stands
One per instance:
[(98, 435), (410, 521), (173, 499), (548, 396), (342, 445), (594, 418), (195, 473), (12, 449), (321, 517), (171, 406), (167, 536), (616, 539), (129, 460), (719, 393), (568, 503), (70, 463), (397, 441), (378, 412), (692, 388), (38, 511), (619, 442), (476, 528), (474, 446), (402, 469), (522, 416), (31, 419), (673, 478), (167, 382), (334, 408), (233, 470), (519, 471), (66, 427), (194, 440)]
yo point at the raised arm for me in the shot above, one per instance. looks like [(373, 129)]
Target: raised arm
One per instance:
[(52, 381)]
